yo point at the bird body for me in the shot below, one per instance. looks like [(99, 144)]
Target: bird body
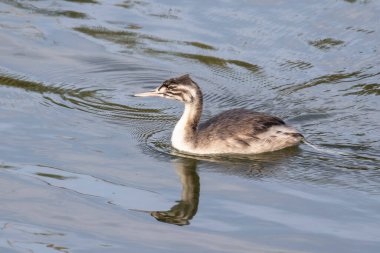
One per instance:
[(237, 131)]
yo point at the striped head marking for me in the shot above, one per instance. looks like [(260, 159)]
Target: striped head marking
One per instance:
[(181, 88)]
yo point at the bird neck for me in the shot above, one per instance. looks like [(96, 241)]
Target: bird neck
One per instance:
[(185, 132)]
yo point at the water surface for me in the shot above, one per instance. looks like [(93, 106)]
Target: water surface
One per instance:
[(86, 167)]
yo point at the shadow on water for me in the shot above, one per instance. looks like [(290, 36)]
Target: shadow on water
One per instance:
[(41, 88), (340, 78), (185, 208), (326, 44), (45, 11), (83, 1), (364, 89), (82, 99), (186, 166), (135, 40)]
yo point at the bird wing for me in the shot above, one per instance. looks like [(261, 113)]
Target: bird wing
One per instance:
[(237, 122)]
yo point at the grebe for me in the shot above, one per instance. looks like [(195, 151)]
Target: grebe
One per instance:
[(237, 131)]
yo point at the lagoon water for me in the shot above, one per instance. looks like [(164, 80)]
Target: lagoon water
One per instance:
[(87, 167)]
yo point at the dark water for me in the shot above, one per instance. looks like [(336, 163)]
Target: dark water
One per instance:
[(86, 167)]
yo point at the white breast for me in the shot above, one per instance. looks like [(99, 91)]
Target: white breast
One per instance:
[(178, 139)]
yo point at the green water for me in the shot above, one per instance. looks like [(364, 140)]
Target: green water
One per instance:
[(87, 167)]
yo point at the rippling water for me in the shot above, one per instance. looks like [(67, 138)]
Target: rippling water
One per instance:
[(87, 167)]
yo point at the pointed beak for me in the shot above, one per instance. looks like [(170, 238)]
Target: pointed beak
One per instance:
[(140, 211), (153, 93)]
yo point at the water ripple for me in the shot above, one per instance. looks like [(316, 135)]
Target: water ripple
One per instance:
[(332, 79), (46, 11)]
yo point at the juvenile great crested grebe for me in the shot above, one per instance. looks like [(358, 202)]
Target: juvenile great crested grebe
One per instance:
[(237, 131)]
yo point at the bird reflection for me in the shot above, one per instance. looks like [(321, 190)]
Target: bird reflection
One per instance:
[(265, 165), (185, 209)]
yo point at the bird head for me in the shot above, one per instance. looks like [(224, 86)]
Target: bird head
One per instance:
[(181, 88)]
